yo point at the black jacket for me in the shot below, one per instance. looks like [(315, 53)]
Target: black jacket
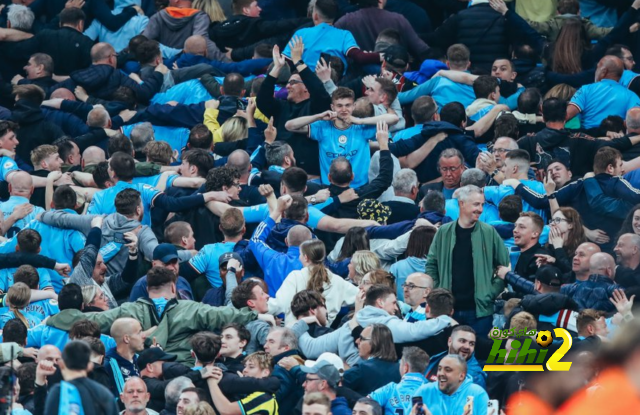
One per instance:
[(69, 49), (305, 149), (34, 130), (102, 80), (401, 211), (372, 190), (45, 82), (480, 28), (239, 30), (576, 150)]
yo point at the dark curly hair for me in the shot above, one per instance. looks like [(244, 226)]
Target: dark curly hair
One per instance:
[(221, 176)]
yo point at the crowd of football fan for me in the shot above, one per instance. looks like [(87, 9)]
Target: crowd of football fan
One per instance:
[(319, 207)]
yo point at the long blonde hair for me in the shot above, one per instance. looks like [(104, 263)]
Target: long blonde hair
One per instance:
[(18, 298), (318, 274), (211, 8)]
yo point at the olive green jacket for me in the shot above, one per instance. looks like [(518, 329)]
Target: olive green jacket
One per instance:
[(551, 28), (489, 251), (180, 320)]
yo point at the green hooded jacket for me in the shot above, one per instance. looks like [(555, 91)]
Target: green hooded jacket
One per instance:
[(180, 320)]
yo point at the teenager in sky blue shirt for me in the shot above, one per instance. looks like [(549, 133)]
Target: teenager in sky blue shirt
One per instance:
[(121, 171), (342, 135)]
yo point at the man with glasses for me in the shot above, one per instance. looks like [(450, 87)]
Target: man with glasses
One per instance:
[(415, 290), (493, 162), (323, 377), (451, 166)]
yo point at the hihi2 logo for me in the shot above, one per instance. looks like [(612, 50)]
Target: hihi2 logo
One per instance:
[(520, 357)]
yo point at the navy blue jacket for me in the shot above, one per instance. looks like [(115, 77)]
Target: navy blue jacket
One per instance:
[(456, 138), (371, 374), (101, 81), (400, 228), (592, 293)]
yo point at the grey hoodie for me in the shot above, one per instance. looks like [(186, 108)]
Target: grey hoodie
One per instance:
[(339, 342), (173, 30), (402, 331), (114, 254)]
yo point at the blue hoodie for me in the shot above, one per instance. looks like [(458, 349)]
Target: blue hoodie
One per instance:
[(441, 404), (403, 268), (473, 369), (339, 406), (395, 398), (276, 265)]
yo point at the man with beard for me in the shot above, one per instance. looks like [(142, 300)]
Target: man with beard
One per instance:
[(472, 283), (135, 398), (463, 343), (627, 252), (453, 388)]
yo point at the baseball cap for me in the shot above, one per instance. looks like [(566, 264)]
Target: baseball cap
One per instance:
[(549, 275), (373, 210), (224, 258), (396, 56), (165, 253), (154, 354), (332, 358), (325, 371)]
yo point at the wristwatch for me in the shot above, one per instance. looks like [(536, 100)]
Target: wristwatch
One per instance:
[(313, 200), (300, 62), (231, 269)]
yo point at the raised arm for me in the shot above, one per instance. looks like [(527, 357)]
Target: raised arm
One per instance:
[(301, 124)]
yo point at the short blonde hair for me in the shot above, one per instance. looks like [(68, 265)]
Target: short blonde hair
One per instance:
[(42, 152), (262, 359), (158, 152), (523, 320)]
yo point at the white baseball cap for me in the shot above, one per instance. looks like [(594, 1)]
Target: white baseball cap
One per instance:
[(332, 358)]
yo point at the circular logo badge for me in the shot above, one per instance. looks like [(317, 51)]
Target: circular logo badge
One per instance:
[(342, 139)]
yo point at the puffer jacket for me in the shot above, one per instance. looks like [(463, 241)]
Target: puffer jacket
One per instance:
[(593, 293), (480, 28)]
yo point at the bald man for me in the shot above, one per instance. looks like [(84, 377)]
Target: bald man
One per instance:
[(135, 397), (92, 156), (102, 78), (196, 45), (594, 102), (239, 159), (414, 291), (596, 291), (49, 353), (627, 252), (121, 361), (17, 211)]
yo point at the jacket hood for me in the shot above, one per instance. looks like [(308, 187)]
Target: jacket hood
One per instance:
[(27, 112), (549, 138), (117, 223), (505, 230), (434, 127), (279, 233), (416, 262), (370, 315), (176, 18), (428, 68), (65, 319), (435, 217), (189, 59), (462, 390)]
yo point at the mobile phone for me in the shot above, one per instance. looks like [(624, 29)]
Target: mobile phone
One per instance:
[(118, 237), (492, 407), (417, 400), (469, 405)]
